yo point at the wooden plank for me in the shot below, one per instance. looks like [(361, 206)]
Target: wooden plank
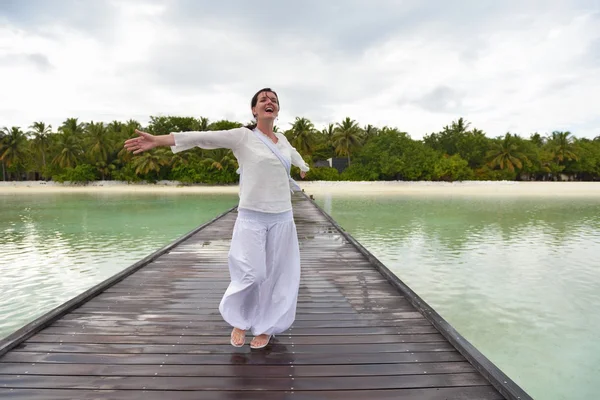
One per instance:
[(153, 331), (352, 291), (234, 357), (239, 370), (247, 383), (118, 315), (202, 324), (117, 348), (191, 339), (211, 305), (449, 393), (198, 309)]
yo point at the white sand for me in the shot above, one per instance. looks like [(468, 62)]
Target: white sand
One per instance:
[(469, 188)]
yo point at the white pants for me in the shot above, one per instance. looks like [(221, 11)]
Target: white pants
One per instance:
[(264, 264)]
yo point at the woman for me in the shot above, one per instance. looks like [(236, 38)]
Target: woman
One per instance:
[(264, 258)]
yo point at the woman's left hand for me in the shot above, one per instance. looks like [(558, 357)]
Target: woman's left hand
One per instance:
[(302, 174)]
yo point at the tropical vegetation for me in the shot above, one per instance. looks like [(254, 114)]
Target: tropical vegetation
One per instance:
[(86, 151)]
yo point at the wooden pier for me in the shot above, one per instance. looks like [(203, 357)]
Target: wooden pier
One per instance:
[(154, 332)]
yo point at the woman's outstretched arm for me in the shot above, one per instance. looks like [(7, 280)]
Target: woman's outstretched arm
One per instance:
[(180, 141)]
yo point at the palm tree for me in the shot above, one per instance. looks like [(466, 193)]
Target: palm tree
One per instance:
[(99, 142), (561, 145), (328, 133), (72, 126), (347, 137), (303, 135), (537, 139), (220, 159), (203, 123), (370, 131), (103, 168), (13, 151), (115, 127), (69, 149), (2, 144), (388, 130), (506, 154), (127, 132), (68, 143), (41, 140), (151, 161), (132, 125)]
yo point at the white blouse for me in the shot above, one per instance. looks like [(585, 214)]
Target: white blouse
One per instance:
[(264, 184)]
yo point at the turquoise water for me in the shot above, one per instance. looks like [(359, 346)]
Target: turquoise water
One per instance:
[(519, 278), (55, 246)]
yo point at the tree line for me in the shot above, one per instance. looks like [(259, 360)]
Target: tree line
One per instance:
[(87, 151)]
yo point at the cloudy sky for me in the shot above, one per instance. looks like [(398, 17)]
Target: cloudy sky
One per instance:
[(520, 66)]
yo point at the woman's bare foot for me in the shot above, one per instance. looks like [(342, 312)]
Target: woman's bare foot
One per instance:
[(260, 341), (238, 337)]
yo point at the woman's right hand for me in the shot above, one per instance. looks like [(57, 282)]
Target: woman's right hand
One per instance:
[(142, 143)]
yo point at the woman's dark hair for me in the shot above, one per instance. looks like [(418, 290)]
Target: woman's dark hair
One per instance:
[(254, 101)]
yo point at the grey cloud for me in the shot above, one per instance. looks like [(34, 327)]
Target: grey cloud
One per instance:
[(352, 26), (92, 17), (186, 68), (306, 102), (348, 29), (38, 60), (592, 54), (559, 85), (440, 99)]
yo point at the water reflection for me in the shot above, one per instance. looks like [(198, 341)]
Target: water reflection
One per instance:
[(276, 372)]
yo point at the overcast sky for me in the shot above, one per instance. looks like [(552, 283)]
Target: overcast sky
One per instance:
[(520, 66)]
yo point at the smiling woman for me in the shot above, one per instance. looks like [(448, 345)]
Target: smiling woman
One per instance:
[(264, 259), (267, 98)]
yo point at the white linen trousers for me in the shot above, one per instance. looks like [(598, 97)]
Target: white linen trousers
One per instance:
[(264, 264)]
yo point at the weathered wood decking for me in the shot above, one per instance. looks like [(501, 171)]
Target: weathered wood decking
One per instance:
[(157, 333)]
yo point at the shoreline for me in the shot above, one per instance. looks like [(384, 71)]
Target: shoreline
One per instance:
[(470, 188)]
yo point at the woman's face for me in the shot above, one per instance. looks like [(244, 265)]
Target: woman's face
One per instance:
[(267, 106)]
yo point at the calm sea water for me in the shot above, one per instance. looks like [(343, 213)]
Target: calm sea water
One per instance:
[(519, 278), (55, 246)]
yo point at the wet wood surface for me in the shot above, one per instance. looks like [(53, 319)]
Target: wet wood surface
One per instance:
[(158, 334)]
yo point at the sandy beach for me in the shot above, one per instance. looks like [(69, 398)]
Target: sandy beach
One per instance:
[(469, 188)]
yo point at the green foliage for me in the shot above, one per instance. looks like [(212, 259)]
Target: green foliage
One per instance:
[(223, 125), (83, 151), (13, 150), (393, 155), (452, 168), (81, 174), (126, 174), (302, 136), (506, 154), (200, 172), (323, 174), (347, 137), (357, 172), (471, 145), (486, 173), (164, 125)]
